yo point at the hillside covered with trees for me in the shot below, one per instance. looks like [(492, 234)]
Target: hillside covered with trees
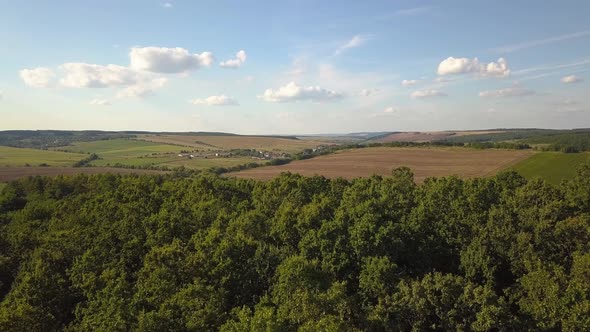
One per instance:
[(205, 253)]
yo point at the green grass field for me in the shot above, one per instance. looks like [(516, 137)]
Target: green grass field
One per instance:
[(553, 167), (127, 152), (21, 157), (122, 148), (201, 163), (142, 153)]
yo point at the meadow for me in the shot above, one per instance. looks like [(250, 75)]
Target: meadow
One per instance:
[(228, 142), (138, 153), (162, 150), (424, 162), (22, 157), (552, 167), (121, 148)]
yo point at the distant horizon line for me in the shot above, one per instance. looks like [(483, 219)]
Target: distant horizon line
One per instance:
[(283, 135)]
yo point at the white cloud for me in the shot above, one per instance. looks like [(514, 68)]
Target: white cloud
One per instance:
[(85, 75), (221, 100), (167, 5), (410, 82), (413, 11), (507, 93), (168, 60), (497, 69), (571, 79), (247, 79), (299, 67), (389, 110), (356, 41), (424, 94), (441, 80), (39, 77), (100, 102), (568, 102), (540, 42), (368, 92), (137, 80), (143, 88), (293, 92), (134, 83), (453, 65), (235, 63)]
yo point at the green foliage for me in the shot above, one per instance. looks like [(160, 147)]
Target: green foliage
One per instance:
[(87, 160), (183, 252), (575, 140)]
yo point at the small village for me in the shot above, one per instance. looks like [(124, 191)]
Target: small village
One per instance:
[(252, 153)]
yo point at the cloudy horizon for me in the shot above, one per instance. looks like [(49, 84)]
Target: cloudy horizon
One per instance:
[(296, 67)]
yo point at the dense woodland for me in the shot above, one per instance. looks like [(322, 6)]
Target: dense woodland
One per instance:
[(569, 141), (205, 253)]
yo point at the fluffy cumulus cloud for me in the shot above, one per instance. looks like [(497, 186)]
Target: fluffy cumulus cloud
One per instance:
[(571, 79), (293, 92), (221, 100), (235, 63), (38, 77), (507, 93), (452, 65), (425, 94), (141, 78), (497, 69), (168, 60), (134, 83), (100, 102), (85, 75), (410, 82)]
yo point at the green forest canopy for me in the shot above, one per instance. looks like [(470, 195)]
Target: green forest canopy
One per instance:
[(166, 253)]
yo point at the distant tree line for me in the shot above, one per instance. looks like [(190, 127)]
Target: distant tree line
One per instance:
[(44, 139), (86, 161), (568, 141), (180, 252)]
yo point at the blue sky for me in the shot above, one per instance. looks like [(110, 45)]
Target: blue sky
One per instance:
[(294, 67)]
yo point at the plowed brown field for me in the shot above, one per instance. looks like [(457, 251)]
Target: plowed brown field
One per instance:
[(424, 162)]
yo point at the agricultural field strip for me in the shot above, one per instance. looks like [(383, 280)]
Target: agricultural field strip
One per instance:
[(123, 147), (22, 156), (235, 142), (424, 162), (143, 153), (553, 167)]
